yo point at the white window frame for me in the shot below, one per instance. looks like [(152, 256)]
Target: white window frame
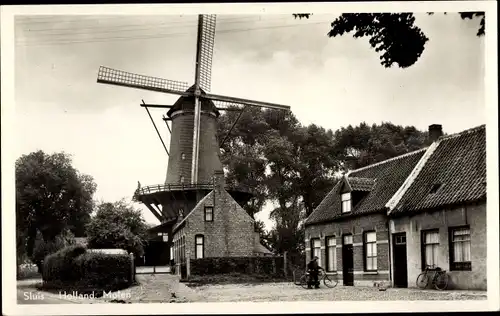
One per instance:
[(433, 246), (331, 248), (346, 202), (211, 213), (316, 249), (370, 244), (197, 253)]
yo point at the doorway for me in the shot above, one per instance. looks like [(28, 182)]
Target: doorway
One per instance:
[(400, 260), (347, 260)]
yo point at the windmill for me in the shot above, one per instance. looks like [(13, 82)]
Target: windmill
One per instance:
[(206, 104)]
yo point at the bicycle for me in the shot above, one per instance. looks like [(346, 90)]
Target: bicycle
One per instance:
[(439, 279), (327, 281)]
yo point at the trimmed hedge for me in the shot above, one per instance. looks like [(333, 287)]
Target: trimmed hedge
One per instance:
[(75, 269), (245, 265)]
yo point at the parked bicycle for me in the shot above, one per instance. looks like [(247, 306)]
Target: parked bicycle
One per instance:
[(435, 275), (328, 281)]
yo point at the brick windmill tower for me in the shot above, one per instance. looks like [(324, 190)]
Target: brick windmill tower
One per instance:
[(194, 163)]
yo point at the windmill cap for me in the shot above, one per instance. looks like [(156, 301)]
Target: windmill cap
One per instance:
[(187, 103)]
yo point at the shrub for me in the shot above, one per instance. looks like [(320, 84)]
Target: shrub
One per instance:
[(44, 248), (75, 269), (61, 264), (244, 265), (104, 271)]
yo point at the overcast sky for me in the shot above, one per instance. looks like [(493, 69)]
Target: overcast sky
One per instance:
[(331, 82)]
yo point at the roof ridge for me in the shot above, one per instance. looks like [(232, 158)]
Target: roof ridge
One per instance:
[(396, 198), (387, 160), (464, 132)]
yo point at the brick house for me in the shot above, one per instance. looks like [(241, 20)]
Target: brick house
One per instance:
[(438, 217), (348, 230), (375, 216), (216, 227)]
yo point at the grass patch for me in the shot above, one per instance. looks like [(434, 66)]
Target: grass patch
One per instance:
[(230, 278)]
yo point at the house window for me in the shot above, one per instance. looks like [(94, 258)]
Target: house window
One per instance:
[(435, 188), (316, 249), (199, 247), (460, 258), (209, 214), (370, 251), (346, 202), (331, 253), (430, 245)]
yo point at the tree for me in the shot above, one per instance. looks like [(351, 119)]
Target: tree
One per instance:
[(363, 145), (51, 196), (285, 162), (44, 248), (117, 225), (394, 35)]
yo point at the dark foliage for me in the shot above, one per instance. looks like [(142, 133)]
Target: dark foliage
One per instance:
[(471, 15), (364, 145), (51, 197), (75, 269), (117, 225), (243, 265), (394, 35)]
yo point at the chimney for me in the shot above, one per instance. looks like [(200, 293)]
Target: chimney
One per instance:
[(219, 180), (435, 131)]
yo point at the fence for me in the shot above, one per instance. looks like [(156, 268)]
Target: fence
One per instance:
[(140, 269)]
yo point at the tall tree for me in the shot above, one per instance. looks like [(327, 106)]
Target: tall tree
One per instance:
[(117, 225), (51, 196), (285, 162), (363, 145), (394, 35)]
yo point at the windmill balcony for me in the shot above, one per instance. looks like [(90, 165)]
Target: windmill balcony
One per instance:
[(151, 189)]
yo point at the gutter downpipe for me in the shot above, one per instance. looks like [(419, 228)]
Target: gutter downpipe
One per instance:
[(390, 249)]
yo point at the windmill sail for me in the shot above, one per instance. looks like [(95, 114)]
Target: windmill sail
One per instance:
[(205, 50), (127, 79), (225, 101), (203, 73)]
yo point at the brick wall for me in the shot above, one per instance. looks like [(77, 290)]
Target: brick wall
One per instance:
[(181, 142), (231, 233), (473, 215), (355, 226)]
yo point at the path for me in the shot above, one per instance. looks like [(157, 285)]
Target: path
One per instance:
[(289, 292)]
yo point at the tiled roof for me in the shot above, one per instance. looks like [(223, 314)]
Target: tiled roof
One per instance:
[(456, 171), (385, 178), (361, 184)]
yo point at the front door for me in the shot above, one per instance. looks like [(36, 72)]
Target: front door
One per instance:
[(400, 261), (347, 260)]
